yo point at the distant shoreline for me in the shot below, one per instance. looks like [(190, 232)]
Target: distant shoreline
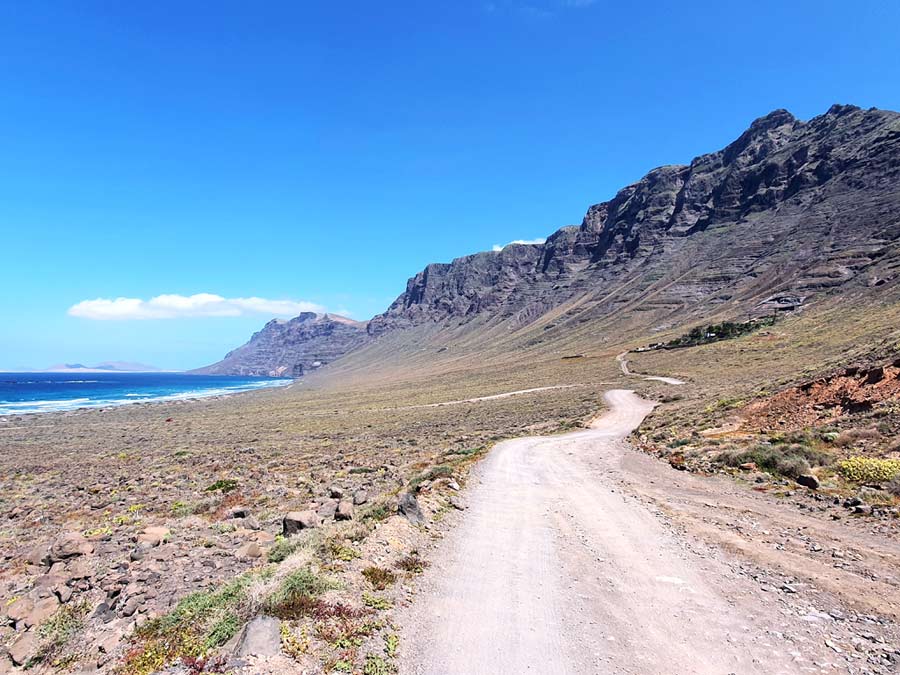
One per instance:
[(39, 393)]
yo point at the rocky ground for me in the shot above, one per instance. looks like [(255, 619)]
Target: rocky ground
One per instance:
[(145, 537), (833, 442), (137, 535)]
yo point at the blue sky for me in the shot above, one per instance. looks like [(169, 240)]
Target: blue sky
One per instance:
[(322, 153)]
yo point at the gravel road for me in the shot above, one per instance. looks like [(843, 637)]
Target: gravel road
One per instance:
[(623, 366), (557, 568)]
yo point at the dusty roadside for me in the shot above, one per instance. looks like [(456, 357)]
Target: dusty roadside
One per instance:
[(136, 533), (578, 554)]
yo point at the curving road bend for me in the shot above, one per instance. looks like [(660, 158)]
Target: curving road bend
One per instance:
[(623, 366)]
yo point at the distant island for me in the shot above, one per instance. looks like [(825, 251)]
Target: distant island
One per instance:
[(105, 367)]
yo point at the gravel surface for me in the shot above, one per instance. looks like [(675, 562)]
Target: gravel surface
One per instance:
[(560, 565)]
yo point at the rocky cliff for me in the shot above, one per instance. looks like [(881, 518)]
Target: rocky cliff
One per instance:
[(789, 209), (291, 348)]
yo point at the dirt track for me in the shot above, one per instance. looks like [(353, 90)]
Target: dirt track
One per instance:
[(571, 559), (623, 366)]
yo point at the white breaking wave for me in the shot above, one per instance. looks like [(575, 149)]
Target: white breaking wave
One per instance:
[(30, 407)]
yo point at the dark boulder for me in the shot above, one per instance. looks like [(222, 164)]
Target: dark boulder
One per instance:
[(808, 480), (875, 375), (409, 508), (295, 521)]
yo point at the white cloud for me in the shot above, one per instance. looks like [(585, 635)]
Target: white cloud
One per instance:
[(530, 242), (185, 306)]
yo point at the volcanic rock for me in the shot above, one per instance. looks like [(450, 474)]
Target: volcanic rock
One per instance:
[(295, 521), (292, 348), (408, 507)]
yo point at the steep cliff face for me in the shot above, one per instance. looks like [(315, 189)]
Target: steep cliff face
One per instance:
[(787, 210), (291, 348)]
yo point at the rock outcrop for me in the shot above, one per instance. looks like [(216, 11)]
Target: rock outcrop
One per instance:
[(291, 348), (787, 210)]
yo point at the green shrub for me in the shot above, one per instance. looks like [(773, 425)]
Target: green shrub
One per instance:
[(59, 631), (223, 630), (299, 583), (336, 550), (440, 471), (718, 331), (377, 512), (283, 548), (223, 485), (199, 623), (468, 452), (391, 644), (375, 665), (376, 602)]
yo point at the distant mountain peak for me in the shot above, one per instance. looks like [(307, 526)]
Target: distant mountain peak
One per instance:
[(292, 347)]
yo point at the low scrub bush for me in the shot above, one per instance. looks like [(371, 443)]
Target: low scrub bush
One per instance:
[(335, 549), (223, 485), (375, 665), (299, 584), (440, 471), (869, 469), (346, 635), (379, 577), (377, 512), (874, 496), (893, 487), (59, 631), (200, 622), (786, 460), (300, 606), (376, 602), (412, 563), (391, 644), (851, 436), (467, 452), (283, 548), (358, 531)]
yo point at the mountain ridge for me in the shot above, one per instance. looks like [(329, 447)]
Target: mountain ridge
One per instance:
[(669, 202), (292, 347), (787, 212)]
